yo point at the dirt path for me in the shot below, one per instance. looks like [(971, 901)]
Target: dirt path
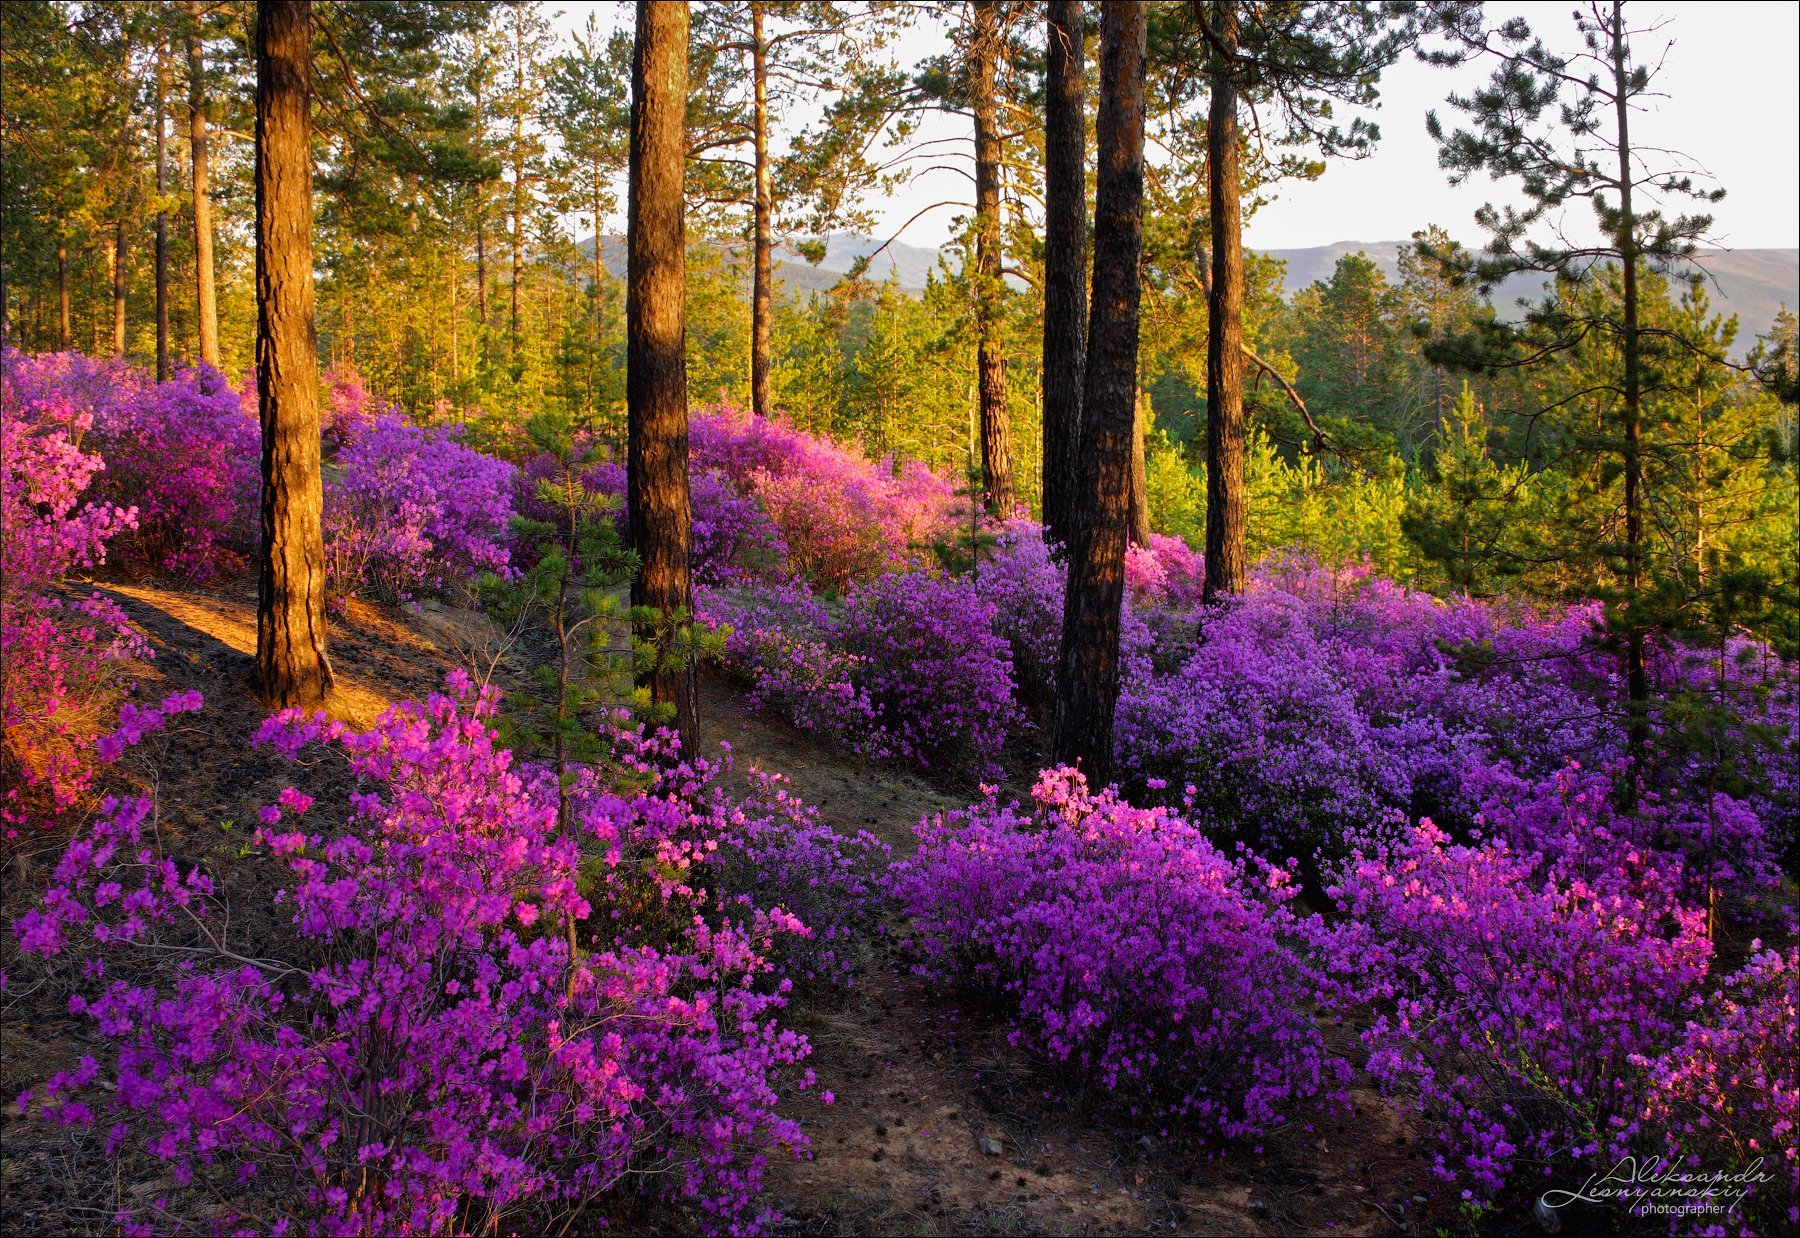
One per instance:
[(940, 1126)]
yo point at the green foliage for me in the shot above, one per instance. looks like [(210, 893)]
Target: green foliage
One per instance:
[(1467, 519), (572, 591)]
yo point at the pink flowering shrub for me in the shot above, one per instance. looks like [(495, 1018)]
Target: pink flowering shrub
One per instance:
[(183, 454), (1167, 572), (1511, 994), (906, 667), (1727, 1095), (841, 516), (68, 660), (411, 510), (424, 1055), (1131, 952)]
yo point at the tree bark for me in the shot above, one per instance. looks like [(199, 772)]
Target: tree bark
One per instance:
[(990, 365), (292, 668), (1065, 261), (762, 298), (481, 271), (1087, 679), (162, 215), (1225, 431), (206, 297), (1140, 472), (118, 287), (1637, 680), (657, 499), (65, 340), (518, 194)]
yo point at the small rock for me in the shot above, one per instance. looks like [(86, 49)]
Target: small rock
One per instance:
[(992, 1147), (1146, 1143)]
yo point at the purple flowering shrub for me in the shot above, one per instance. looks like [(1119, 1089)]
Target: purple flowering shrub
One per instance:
[(1131, 952), (411, 510), (841, 517), (1510, 994), (183, 453), (425, 1054), (905, 667), (68, 660), (1728, 1093)]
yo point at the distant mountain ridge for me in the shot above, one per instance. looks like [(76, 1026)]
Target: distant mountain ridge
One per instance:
[(1751, 283)]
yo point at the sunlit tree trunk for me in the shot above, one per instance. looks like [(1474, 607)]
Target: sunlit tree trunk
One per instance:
[(162, 215), (65, 340), (1087, 679), (1139, 526), (990, 365), (206, 297), (762, 299), (291, 663), (1637, 681), (1225, 326), (118, 288), (1065, 260), (656, 337)]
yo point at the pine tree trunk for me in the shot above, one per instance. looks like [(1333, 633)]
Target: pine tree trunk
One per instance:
[(657, 498), (990, 366), (1087, 679), (1225, 328), (162, 215), (762, 300), (1065, 260), (65, 339), (518, 196), (291, 663), (1140, 472), (481, 271), (118, 288), (1637, 681), (599, 199), (206, 297)]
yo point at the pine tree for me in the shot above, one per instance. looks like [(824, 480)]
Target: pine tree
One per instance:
[(291, 662), (1087, 679)]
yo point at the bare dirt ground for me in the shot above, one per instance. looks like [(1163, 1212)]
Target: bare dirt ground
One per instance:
[(922, 1087), (939, 1126)]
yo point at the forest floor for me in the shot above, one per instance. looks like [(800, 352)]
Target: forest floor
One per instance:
[(939, 1126)]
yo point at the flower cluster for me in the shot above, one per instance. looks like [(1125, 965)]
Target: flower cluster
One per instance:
[(426, 1053), (905, 667), (1131, 950), (183, 454), (411, 510), (1510, 994)]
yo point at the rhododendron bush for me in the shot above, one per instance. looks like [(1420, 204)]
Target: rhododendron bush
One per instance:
[(67, 659), (410, 509), (906, 667), (425, 1054), (1133, 952), (183, 453)]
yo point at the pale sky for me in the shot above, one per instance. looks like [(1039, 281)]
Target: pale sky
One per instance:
[(1732, 103)]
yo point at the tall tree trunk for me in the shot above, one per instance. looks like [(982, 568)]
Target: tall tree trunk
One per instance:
[(162, 214), (762, 298), (657, 500), (206, 297), (481, 271), (291, 663), (1065, 260), (1087, 677), (518, 194), (65, 340), (1140, 472), (990, 365), (1637, 681), (599, 200), (1224, 325), (118, 287)]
